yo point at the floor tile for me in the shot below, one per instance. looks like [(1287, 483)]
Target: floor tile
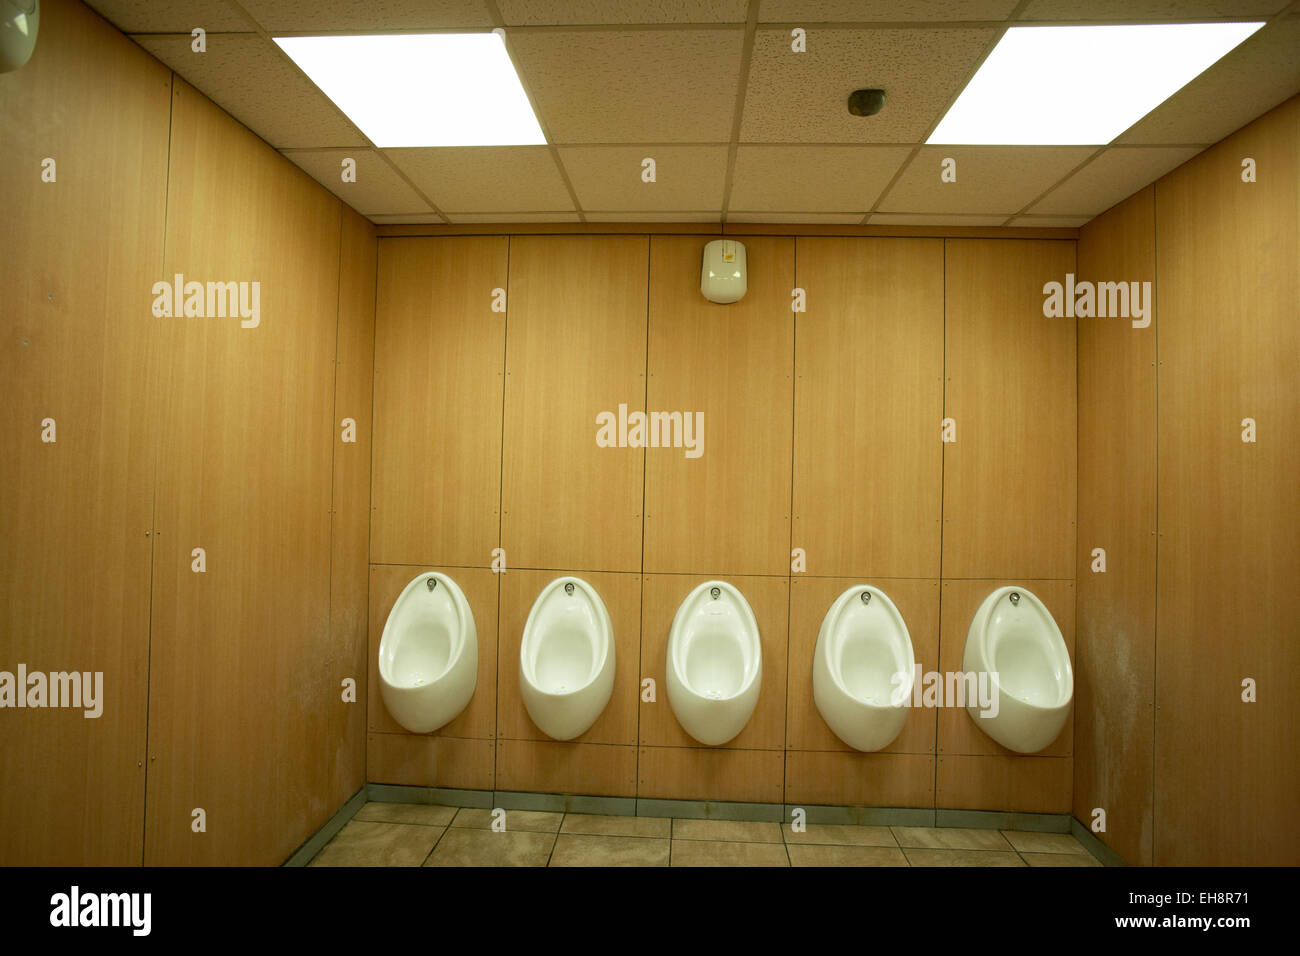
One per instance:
[(539, 821), (363, 843), (1026, 842), (950, 838), (919, 856), (596, 824), (465, 846), (727, 830), (715, 853), (576, 849), (843, 855), (423, 814), (835, 834), (1060, 859)]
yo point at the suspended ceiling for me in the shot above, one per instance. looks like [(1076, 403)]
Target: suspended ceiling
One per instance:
[(741, 128)]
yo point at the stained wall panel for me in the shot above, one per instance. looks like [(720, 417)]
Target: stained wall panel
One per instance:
[(439, 364), (1114, 658), (1009, 477)]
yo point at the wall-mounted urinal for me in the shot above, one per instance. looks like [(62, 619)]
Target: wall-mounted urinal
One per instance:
[(715, 663), (566, 658), (1014, 639), (428, 654), (863, 669)]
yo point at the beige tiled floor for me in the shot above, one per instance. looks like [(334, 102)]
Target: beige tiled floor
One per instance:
[(403, 834)]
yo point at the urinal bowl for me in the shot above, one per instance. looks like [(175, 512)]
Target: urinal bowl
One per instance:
[(714, 666), (566, 659), (428, 654), (1014, 639), (864, 669)]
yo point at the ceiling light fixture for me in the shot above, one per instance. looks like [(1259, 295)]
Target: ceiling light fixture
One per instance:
[(422, 89), (1081, 86)]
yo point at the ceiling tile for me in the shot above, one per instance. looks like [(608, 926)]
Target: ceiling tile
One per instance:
[(1110, 178), (251, 80), (1248, 82), (1049, 222), (465, 217), (802, 97), (828, 218), (171, 16), (569, 12), (653, 216), (1148, 11), (651, 86), (608, 178), (990, 179), (486, 178), (377, 190), (813, 178), (309, 16), (841, 11), (937, 219)]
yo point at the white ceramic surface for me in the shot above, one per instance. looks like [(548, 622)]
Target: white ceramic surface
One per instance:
[(863, 669), (1015, 639), (428, 654), (714, 663), (566, 659)]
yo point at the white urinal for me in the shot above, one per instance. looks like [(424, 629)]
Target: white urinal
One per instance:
[(566, 658), (863, 669), (715, 663), (428, 655), (1014, 639)]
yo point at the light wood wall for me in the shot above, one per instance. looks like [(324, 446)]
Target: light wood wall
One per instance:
[(1199, 526), (1115, 654), (223, 690), (822, 433), (77, 259)]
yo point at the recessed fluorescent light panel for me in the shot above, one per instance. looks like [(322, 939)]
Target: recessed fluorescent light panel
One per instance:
[(1081, 86), (422, 89)]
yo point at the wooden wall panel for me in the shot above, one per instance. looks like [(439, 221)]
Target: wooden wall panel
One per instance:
[(1009, 478), (958, 733), (1227, 772), (868, 398), (621, 594), (350, 532), (1114, 659), (850, 778), (480, 586), (425, 760), (769, 597), (77, 259), (243, 682), (810, 598), (553, 766), (575, 347), (439, 362), (1023, 785), (726, 511), (710, 773)]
